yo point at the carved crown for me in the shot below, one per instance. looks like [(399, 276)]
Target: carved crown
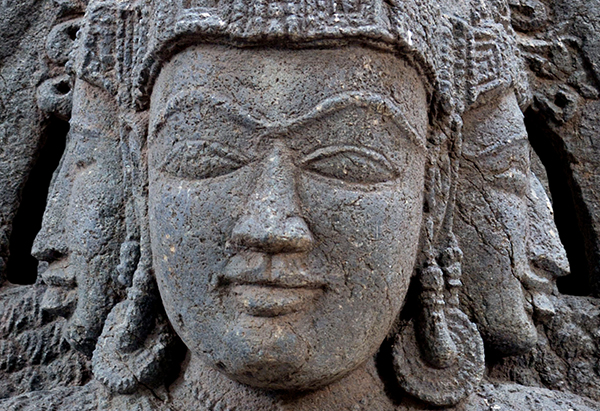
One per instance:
[(123, 44)]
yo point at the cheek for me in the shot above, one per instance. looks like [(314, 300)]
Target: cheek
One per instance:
[(190, 223), (367, 240), (93, 216)]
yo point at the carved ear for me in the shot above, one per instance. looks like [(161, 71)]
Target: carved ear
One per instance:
[(439, 357)]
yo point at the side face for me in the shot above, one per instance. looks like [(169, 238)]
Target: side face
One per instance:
[(492, 224), (83, 225), (285, 204)]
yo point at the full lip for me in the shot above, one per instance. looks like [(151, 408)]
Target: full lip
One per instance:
[(60, 295), (58, 273), (264, 285), (59, 301), (272, 301)]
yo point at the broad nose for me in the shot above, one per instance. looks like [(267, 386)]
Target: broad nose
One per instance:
[(273, 221), (49, 244)]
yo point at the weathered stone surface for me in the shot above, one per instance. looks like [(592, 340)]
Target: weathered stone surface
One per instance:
[(34, 356), (303, 205), (563, 53), (22, 68), (565, 357)]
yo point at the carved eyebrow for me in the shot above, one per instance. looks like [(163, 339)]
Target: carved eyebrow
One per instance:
[(179, 100), (381, 104), (338, 102)]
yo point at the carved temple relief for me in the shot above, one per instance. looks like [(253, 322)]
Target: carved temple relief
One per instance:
[(282, 217), (265, 279), (83, 226), (505, 228)]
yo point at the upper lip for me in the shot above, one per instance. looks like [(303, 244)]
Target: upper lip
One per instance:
[(270, 270), (57, 273)]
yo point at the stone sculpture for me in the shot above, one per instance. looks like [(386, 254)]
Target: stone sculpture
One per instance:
[(304, 205)]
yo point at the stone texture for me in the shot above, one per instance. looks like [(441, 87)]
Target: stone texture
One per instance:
[(562, 50), (34, 355), (304, 205)]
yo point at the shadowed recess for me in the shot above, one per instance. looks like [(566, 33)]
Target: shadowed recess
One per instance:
[(569, 209), (21, 266)]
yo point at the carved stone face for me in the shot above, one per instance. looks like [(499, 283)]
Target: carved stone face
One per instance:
[(285, 205), (82, 227)]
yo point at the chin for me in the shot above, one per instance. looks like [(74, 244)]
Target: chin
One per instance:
[(284, 376), (270, 375), (288, 364)]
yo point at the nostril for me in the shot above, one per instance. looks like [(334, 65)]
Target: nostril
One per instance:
[(53, 255), (48, 256), (297, 234)]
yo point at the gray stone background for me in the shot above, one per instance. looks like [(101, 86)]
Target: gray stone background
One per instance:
[(560, 40)]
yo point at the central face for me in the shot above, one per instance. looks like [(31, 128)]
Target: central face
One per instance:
[(285, 205)]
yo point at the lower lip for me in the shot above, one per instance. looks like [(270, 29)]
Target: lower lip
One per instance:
[(59, 301), (270, 301)]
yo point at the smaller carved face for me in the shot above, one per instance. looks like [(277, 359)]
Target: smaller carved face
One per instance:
[(82, 227), (285, 205)]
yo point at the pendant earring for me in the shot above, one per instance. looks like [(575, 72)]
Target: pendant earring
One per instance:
[(439, 356)]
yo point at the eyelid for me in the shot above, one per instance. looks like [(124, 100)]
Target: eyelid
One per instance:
[(205, 148), (513, 180), (333, 150), (223, 150), (83, 157)]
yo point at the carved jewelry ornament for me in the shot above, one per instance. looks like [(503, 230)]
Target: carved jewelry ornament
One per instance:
[(441, 386)]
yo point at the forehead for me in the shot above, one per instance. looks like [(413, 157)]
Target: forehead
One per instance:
[(278, 84)]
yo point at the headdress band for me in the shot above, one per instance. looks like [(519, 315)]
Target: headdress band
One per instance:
[(124, 43)]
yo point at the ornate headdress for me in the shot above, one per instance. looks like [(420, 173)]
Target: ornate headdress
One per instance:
[(123, 44)]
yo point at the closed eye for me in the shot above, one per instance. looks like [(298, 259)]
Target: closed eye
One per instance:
[(350, 164), (200, 159)]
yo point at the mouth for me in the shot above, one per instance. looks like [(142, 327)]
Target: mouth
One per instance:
[(58, 273), (266, 285), (59, 301), (60, 295), (272, 301)]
